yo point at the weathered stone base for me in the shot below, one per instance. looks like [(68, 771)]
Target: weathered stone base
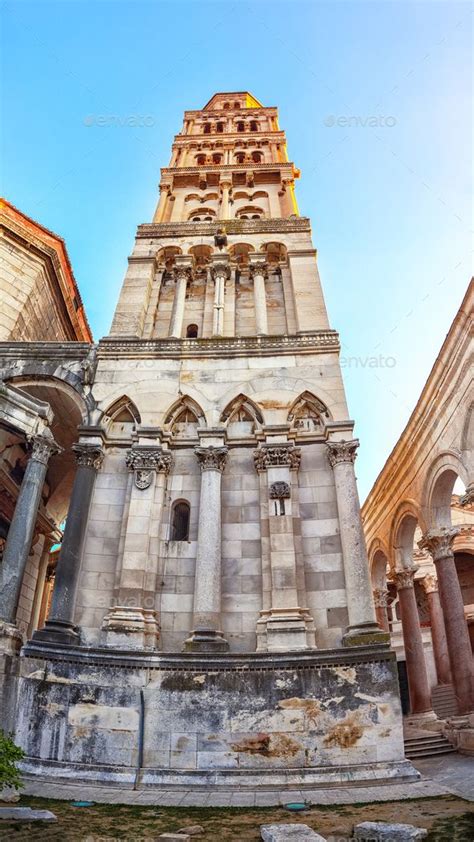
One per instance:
[(215, 720)]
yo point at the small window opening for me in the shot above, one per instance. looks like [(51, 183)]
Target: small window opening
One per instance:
[(180, 521), (191, 332)]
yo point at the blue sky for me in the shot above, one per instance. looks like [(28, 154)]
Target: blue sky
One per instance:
[(376, 102)]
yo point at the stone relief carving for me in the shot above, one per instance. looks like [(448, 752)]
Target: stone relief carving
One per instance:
[(280, 491), (43, 447), (144, 461), (342, 451), (277, 456), (88, 455), (439, 542)]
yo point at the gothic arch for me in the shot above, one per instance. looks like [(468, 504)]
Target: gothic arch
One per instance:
[(121, 417), (246, 406), (308, 413), (185, 405)]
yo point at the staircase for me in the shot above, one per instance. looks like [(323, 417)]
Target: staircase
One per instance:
[(429, 745), (444, 701)]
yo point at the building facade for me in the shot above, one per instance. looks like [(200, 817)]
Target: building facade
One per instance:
[(214, 552), (420, 535)]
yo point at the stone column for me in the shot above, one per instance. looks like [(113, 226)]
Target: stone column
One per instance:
[(286, 198), (284, 625), (259, 273), (133, 623), (420, 694), (220, 271), (182, 273), (224, 208), (363, 628), (438, 631), (59, 627), (439, 543), (161, 207), (23, 523), (380, 602), (206, 635)]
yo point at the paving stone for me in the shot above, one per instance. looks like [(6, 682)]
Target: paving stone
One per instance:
[(26, 814), (192, 830), (289, 833), (175, 837), (380, 831)]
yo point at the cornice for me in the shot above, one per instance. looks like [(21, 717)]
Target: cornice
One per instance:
[(217, 168), (273, 133), (232, 226), (269, 110), (41, 350), (319, 342)]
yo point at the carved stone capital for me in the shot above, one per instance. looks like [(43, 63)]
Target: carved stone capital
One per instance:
[(144, 461), (404, 578), (430, 583), (220, 270), (439, 542), (182, 273), (258, 268), (280, 491), (277, 456), (43, 447), (468, 497), (380, 597), (211, 458), (342, 451), (88, 455)]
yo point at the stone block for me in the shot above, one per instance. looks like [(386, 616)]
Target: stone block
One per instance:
[(26, 814), (178, 837), (289, 833), (385, 832)]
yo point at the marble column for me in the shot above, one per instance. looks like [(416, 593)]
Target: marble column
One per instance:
[(363, 628), (182, 274), (380, 602), (439, 543), (284, 625), (59, 627), (23, 523), (133, 622), (220, 271), (206, 635), (259, 273), (224, 208), (420, 693), (438, 631)]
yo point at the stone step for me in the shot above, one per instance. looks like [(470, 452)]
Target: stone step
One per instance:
[(428, 745), (443, 700), (436, 739), (428, 752)]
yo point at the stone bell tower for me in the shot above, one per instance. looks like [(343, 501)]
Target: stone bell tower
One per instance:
[(220, 542)]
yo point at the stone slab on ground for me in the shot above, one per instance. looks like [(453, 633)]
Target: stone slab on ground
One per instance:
[(387, 832), (9, 795), (192, 830), (26, 814), (175, 837), (289, 833)]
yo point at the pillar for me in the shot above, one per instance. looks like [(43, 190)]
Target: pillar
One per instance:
[(224, 208), (206, 635), (220, 271), (438, 631), (380, 602), (420, 693), (133, 622), (23, 523), (286, 199), (182, 273), (284, 625), (439, 543), (363, 628), (259, 273), (59, 627), (161, 207)]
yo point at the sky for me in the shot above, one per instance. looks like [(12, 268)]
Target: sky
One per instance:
[(375, 98)]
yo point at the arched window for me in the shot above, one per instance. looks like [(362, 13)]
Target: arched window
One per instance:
[(216, 158), (257, 157), (240, 126), (253, 126), (236, 104), (220, 127), (191, 331), (240, 157), (200, 160), (226, 105), (255, 216), (180, 521), (207, 128)]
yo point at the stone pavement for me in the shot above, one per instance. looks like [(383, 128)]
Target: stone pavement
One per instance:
[(451, 774)]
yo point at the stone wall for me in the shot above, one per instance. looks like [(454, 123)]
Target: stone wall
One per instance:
[(302, 719)]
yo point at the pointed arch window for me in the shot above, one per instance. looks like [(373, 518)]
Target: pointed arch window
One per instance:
[(180, 517)]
